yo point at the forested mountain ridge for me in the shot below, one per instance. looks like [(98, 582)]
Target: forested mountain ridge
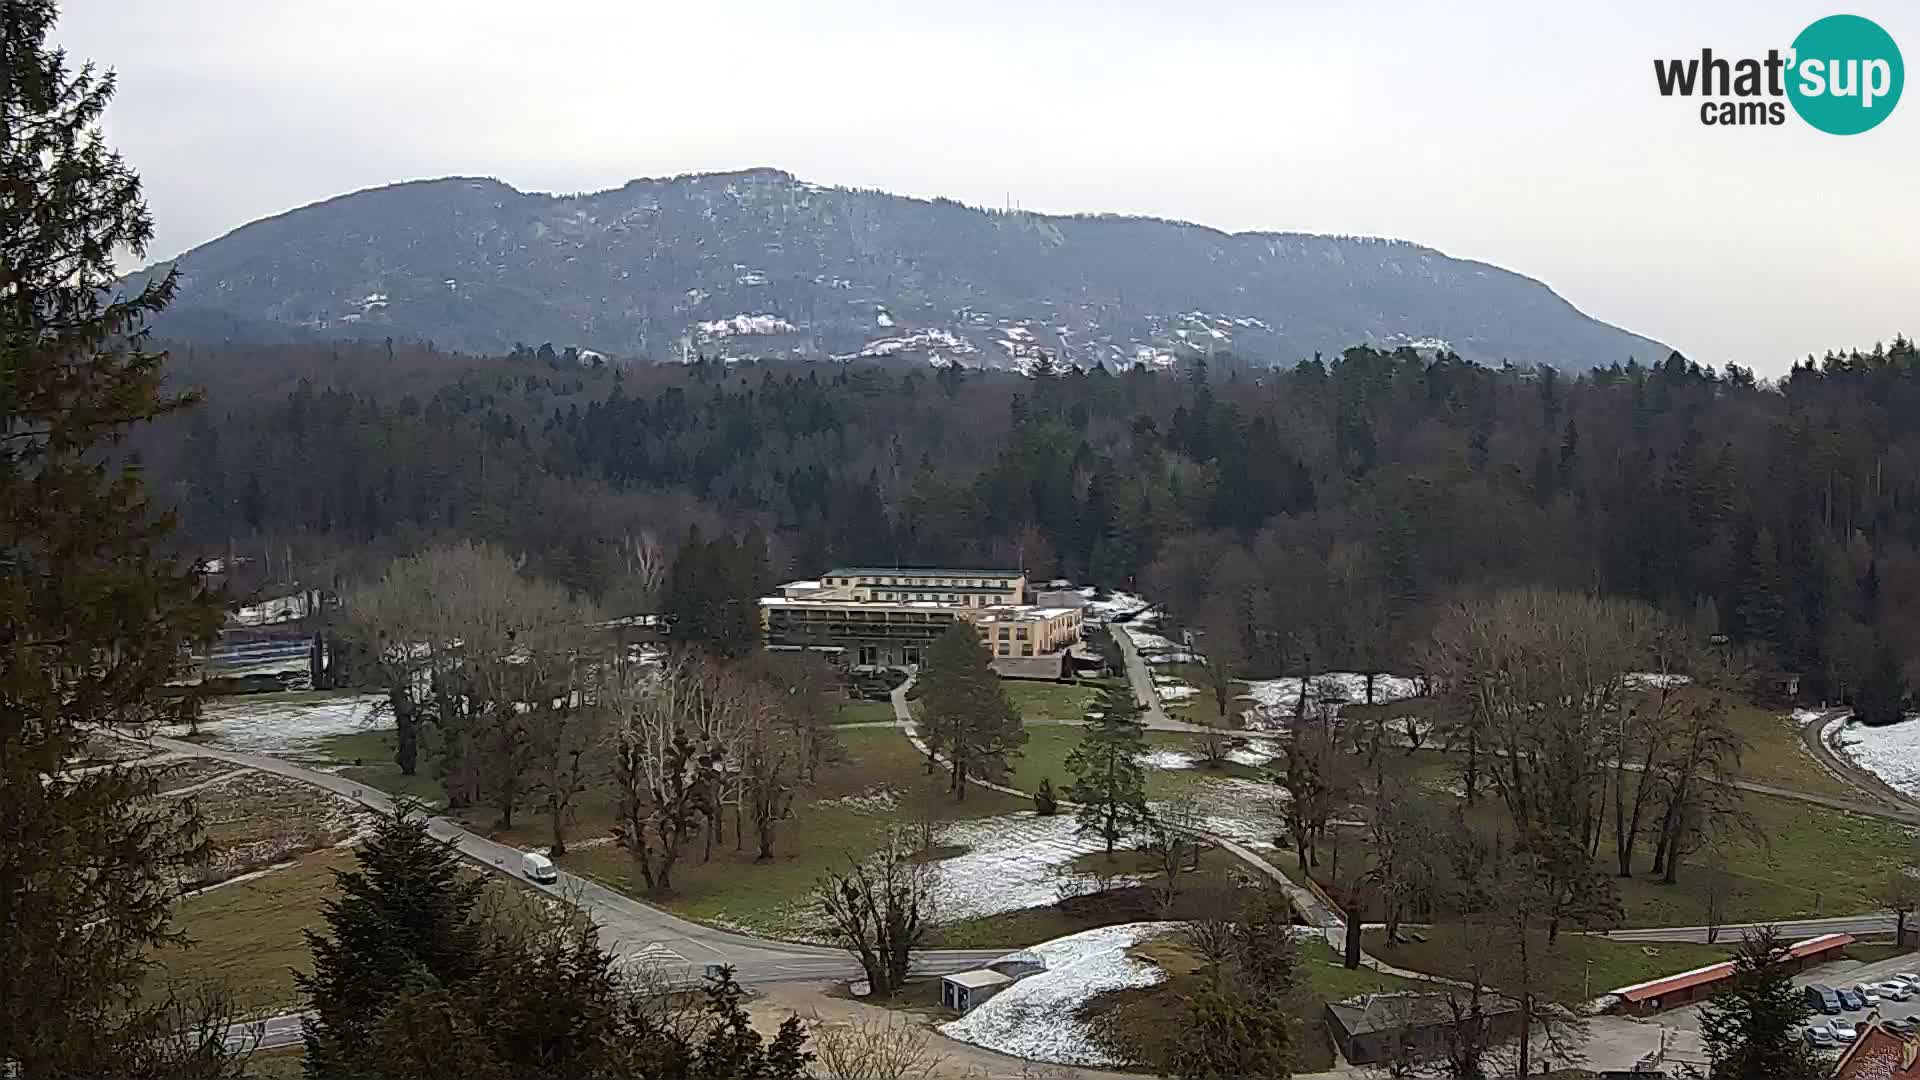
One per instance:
[(757, 264), (1329, 506)]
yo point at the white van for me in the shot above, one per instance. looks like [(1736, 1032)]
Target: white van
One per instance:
[(539, 868)]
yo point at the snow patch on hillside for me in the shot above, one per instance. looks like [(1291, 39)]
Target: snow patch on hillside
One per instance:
[(1011, 862), (745, 326), (285, 726), (920, 340), (1037, 1017), (1892, 752), (1279, 697)]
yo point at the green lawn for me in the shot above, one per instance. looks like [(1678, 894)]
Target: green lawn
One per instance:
[(1875, 950), (367, 756), (1046, 750), (1568, 962), (1330, 980), (248, 935), (1201, 708), (1807, 861), (1050, 702), (866, 712), (1143, 1024), (733, 889), (286, 1063), (1812, 862), (1776, 756)]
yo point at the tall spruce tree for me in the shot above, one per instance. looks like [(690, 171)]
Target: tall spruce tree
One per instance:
[(1109, 786), (403, 926), (1752, 1028), (94, 617), (417, 980), (969, 720), (1882, 696)]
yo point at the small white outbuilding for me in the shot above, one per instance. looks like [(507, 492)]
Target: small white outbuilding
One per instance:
[(963, 990)]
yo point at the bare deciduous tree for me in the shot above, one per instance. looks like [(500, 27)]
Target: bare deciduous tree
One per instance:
[(660, 774), (1316, 774), (808, 685), (1174, 844), (767, 763), (880, 911)]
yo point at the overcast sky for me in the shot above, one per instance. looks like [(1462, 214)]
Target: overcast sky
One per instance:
[(1525, 134)]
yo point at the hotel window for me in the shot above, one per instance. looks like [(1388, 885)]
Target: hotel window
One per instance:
[(1022, 633), (1026, 650)]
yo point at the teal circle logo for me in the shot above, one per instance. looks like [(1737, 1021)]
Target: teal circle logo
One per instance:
[(1846, 75)]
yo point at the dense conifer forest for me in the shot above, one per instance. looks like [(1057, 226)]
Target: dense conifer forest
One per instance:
[(1330, 504)]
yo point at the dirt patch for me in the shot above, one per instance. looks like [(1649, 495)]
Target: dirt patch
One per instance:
[(109, 749), (187, 772), (255, 819)]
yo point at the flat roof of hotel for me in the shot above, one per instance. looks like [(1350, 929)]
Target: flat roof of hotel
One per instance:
[(919, 571)]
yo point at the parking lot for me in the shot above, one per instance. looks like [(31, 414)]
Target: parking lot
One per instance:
[(1847, 974), (1616, 1041)]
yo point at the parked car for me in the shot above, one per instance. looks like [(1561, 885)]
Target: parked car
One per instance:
[(1849, 1000), (1823, 999), (539, 868), (1843, 1031), (1867, 993), (1912, 979), (1899, 1026), (1894, 990), (1819, 1036)]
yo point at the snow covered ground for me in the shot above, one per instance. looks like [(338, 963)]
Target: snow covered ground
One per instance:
[(1167, 758), (1249, 811), (1892, 753), (284, 725), (1654, 680), (1278, 697), (1256, 753), (1011, 862), (1173, 691), (1036, 1018), (1115, 604), (1155, 649)]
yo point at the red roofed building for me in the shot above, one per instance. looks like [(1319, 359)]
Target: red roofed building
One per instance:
[(1879, 1054), (1656, 995)]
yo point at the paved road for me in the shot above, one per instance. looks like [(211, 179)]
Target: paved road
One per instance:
[(1141, 676), (1857, 925), (633, 932)]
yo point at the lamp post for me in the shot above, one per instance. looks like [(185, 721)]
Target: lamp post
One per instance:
[(1587, 995)]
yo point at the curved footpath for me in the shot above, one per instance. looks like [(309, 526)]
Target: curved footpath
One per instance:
[(635, 933)]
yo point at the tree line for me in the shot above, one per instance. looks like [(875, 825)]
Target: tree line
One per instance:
[(1364, 488)]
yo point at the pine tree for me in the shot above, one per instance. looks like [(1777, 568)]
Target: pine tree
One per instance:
[(1109, 786), (404, 923), (93, 617), (1225, 1036), (1882, 697), (1752, 1028), (969, 720)]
